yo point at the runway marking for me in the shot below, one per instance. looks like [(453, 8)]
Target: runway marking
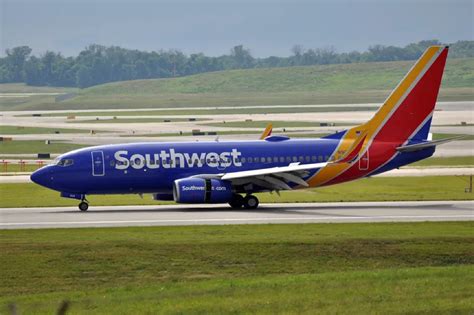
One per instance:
[(242, 220)]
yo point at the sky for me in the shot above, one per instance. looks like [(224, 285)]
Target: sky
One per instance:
[(267, 28)]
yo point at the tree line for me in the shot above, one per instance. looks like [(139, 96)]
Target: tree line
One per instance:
[(98, 64)]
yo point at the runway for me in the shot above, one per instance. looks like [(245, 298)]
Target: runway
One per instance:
[(113, 216)]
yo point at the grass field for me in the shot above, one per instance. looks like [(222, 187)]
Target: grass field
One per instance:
[(220, 133), (438, 136), (18, 130), (371, 189), (328, 84), (264, 123), (133, 120), (447, 161), (212, 111), (16, 167), (377, 268), (35, 146), (23, 88)]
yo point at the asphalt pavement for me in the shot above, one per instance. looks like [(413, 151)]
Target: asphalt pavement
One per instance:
[(344, 212)]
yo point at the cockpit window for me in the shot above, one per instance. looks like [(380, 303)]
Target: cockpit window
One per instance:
[(65, 162)]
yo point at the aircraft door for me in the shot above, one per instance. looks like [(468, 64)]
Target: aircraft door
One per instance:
[(364, 161), (98, 166)]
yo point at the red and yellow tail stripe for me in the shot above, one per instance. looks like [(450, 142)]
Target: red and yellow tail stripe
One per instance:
[(410, 103)]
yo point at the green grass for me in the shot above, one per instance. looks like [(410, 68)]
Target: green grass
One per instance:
[(221, 111), (446, 161), (327, 84), (264, 123), (371, 189), (16, 167), (301, 268), (132, 120), (235, 132), (19, 130), (319, 79), (220, 133), (36, 146), (23, 88), (439, 136)]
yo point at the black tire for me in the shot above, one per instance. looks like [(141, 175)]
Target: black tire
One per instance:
[(251, 202), (83, 206), (237, 202)]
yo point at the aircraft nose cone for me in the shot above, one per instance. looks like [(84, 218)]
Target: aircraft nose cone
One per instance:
[(41, 177)]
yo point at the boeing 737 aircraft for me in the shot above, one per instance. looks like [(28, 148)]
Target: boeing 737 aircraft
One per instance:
[(232, 171)]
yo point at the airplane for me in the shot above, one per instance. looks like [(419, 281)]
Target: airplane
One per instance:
[(232, 172)]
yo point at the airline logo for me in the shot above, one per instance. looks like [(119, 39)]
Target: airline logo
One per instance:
[(173, 159)]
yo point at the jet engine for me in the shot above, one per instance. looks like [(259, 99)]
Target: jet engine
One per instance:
[(199, 190)]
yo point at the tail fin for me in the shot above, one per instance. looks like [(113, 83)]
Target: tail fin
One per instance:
[(403, 119), (406, 113)]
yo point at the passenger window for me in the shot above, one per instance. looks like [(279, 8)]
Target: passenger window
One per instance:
[(307, 159), (313, 158), (282, 159), (295, 159), (262, 160)]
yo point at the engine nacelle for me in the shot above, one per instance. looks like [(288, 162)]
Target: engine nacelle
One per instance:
[(199, 190)]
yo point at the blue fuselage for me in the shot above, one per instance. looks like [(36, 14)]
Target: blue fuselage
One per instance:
[(152, 167)]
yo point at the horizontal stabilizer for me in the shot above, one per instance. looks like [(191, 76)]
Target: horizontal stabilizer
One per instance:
[(426, 145)]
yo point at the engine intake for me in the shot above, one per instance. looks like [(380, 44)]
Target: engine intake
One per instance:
[(199, 190)]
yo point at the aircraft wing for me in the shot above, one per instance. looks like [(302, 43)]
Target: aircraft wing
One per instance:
[(279, 178), (273, 178)]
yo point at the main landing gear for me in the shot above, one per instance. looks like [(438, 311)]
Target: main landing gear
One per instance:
[(83, 206), (248, 202)]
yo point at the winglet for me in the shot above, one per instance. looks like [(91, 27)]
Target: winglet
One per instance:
[(267, 132)]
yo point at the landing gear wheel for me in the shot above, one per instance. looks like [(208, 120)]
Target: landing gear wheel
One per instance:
[(237, 202), (83, 206), (250, 202)]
